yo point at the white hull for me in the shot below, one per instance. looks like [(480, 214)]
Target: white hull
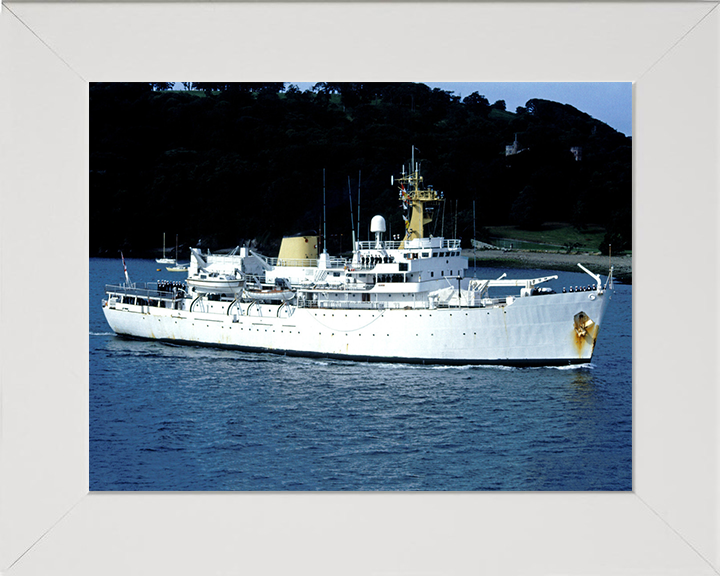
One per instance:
[(537, 330)]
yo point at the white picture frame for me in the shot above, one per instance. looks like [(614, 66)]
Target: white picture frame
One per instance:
[(49, 523)]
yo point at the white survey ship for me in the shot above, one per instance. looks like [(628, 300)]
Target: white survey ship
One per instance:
[(393, 301)]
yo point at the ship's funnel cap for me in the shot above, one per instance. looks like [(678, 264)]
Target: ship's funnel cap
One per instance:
[(377, 224)]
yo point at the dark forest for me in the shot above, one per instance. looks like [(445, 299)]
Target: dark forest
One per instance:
[(221, 165)]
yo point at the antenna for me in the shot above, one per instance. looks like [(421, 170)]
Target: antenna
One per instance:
[(442, 229), (456, 215), (352, 222), (324, 222), (359, 177), (474, 240)]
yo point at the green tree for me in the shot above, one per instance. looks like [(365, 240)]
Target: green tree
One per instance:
[(526, 209), (476, 99)]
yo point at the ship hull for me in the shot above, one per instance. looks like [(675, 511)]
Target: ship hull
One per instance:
[(531, 331)]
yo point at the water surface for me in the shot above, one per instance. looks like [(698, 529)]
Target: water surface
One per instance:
[(166, 417)]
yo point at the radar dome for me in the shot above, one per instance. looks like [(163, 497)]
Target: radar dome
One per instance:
[(377, 224)]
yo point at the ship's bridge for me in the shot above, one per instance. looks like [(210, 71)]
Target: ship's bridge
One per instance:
[(406, 250), (419, 259)]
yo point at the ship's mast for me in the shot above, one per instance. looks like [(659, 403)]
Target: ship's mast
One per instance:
[(358, 218), (352, 222), (324, 221), (414, 199)]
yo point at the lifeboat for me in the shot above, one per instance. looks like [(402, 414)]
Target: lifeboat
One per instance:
[(215, 283)]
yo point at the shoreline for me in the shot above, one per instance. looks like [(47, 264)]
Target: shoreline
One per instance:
[(622, 265)]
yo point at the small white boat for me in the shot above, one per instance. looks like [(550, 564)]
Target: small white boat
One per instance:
[(215, 283), (181, 268), (164, 259), (282, 291), (270, 295)]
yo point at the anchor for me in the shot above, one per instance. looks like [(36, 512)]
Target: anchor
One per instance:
[(582, 324)]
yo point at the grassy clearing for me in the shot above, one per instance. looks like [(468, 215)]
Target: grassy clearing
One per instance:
[(551, 236)]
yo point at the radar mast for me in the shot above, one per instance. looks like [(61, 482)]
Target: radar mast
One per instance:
[(415, 213)]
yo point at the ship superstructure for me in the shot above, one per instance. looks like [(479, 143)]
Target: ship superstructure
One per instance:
[(405, 300)]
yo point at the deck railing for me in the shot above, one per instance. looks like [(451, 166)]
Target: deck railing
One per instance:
[(323, 305), (418, 244), (142, 290), (306, 263)]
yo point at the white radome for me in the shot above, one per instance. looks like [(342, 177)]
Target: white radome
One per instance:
[(377, 224)]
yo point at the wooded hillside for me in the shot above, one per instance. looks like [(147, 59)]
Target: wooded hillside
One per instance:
[(224, 164)]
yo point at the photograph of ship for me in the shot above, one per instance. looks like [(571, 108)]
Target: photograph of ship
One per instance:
[(381, 286)]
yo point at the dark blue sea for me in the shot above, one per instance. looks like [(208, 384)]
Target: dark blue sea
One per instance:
[(165, 417)]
